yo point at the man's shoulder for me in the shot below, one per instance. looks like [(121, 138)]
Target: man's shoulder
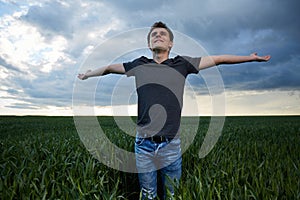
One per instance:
[(181, 59)]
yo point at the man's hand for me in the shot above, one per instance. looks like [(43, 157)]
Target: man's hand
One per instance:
[(84, 76), (260, 58)]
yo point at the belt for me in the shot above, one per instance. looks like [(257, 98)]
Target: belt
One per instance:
[(159, 139)]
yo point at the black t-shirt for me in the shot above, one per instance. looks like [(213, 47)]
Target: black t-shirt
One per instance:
[(160, 92)]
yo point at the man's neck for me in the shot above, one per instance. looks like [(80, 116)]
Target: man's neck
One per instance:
[(160, 56)]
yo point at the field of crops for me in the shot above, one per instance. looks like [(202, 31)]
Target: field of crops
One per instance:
[(255, 158)]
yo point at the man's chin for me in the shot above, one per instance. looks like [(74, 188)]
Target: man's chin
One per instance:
[(158, 48)]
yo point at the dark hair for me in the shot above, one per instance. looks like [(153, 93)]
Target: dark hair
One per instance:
[(160, 25)]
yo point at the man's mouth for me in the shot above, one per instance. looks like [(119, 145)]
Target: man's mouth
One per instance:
[(159, 40)]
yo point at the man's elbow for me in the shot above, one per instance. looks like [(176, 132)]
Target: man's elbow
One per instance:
[(107, 70), (218, 60)]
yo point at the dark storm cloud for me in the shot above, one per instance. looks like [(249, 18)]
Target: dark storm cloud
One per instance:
[(53, 17), (269, 27), (137, 6), (254, 76), (48, 89)]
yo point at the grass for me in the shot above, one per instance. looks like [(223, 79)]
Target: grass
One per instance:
[(255, 158)]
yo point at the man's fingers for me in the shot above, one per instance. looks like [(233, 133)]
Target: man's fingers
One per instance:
[(268, 57), (80, 76), (265, 58)]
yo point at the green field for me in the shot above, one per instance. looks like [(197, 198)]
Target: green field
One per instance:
[(255, 158)]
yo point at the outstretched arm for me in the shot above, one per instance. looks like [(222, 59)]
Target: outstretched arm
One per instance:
[(114, 68), (210, 61)]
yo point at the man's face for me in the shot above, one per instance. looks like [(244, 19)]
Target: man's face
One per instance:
[(160, 40)]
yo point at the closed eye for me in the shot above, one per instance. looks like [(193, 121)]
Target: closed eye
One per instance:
[(163, 33)]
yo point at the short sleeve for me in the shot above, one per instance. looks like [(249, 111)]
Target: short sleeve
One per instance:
[(129, 66), (192, 64)]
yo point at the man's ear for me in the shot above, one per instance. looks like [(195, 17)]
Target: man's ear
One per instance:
[(170, 44), (149, 46)]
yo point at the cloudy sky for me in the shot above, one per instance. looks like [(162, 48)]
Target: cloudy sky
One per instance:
[(45, 44)]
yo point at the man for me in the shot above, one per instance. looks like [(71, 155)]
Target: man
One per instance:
[(160, 83)]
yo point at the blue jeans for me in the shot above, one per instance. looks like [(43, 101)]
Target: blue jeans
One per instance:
[(151, 157)]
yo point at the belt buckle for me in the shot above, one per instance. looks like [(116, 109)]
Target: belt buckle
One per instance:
[(159, 138)]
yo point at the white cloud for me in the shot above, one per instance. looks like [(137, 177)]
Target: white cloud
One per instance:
[(273, 102), (23, 46), (43, 43), (3, 73)]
